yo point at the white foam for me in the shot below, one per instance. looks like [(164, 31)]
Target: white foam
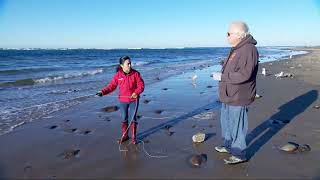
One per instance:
[(283, 55), (11, 119), (68, 76), (140, 63)]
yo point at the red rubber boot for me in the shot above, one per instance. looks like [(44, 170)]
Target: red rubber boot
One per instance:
[(134, 132), (124, 130)]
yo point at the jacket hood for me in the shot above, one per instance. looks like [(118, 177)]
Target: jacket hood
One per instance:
[(247, 40)]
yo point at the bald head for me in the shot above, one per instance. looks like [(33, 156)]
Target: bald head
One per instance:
[(239, 28), (237, 31)]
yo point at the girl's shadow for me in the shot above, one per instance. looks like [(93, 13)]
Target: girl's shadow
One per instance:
[(175, 121)]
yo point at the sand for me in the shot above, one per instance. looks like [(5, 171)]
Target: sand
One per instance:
[(81, 142)]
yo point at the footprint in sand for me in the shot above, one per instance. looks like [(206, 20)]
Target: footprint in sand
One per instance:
[(107, 119), (27, 168), (53, 127), (146, 141), (110, 109), (52, 177), (86, 132), (169, 133), (71, 153), (70, 130), (159, 111)]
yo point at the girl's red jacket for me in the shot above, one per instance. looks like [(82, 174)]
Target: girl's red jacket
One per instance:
[(128, 84)]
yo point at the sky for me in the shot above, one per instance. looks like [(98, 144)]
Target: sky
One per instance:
[(154, 23)]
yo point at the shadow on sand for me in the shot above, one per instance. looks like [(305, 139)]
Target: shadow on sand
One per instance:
[(174, 121), (2, 175), (276, 122)]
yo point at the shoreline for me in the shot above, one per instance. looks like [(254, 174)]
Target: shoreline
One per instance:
[(25, 110), (38, 149)]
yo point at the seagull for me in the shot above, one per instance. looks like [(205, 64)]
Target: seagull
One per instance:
[(279, 75), (194, 77), (264, 71)]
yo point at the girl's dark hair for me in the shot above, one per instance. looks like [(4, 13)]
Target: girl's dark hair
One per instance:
[(121, 61)]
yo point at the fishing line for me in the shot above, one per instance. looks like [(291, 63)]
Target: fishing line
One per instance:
[(125, 150)]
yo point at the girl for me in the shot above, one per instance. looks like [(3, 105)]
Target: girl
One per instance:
[(131, 85)]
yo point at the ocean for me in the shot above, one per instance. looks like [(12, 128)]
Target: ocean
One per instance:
[(35, 83)]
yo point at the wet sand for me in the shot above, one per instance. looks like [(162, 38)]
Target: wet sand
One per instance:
[(81, 142)]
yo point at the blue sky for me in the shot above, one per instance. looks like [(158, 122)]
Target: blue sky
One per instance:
[(154, 23)]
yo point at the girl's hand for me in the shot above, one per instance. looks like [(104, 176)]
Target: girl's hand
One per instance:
[(134, 95), (99, 94)]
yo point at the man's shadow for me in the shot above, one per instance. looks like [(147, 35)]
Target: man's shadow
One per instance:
[(174, 121), (276, 122), (2, 175)]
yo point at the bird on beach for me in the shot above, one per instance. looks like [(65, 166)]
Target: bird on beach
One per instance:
[(279, 75), (264, 71), (194, 77)]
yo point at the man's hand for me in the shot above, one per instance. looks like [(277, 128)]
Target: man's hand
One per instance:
[(216, 76), (99, 94), (134, 95)]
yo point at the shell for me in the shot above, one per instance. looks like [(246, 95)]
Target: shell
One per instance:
[(290, 147), (198, 138)]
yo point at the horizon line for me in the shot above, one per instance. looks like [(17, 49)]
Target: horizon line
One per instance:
[(141, 48)]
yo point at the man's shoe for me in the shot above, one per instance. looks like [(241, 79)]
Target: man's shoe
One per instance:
[(234, 160), (221, 149)]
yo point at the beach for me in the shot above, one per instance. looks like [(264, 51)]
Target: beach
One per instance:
[(80, 142)]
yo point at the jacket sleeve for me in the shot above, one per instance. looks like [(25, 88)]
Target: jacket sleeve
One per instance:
[(111, 86), (247, 67), (140, 84)]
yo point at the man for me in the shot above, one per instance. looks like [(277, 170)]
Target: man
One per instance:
[(237, 89)]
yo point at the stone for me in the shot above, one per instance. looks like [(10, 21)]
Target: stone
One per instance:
[(304, 148), (110, 109), (198, 138), (197, 160)]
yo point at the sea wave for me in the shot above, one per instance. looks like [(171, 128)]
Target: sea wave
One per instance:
[(141, 63), (31, 81), (24, 70), (68, 76), (13, 118)]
